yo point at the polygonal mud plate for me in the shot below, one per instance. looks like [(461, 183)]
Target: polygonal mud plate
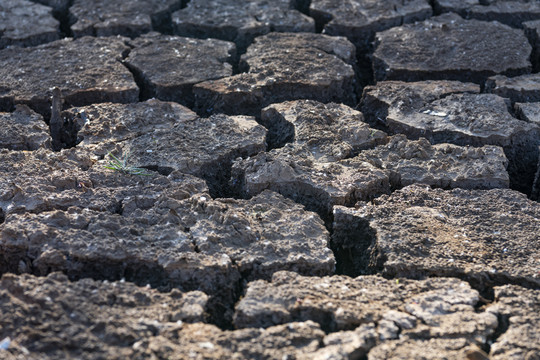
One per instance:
[(358, 20), (486, 236), (56, 318), (116, 17), (23, 129), (281, 67), (166, 137), (43, 180), (86, 70), (512, 13), (431, 51), (450, 112), (25, 23), (444, 166), (169, 66), (239, 22)]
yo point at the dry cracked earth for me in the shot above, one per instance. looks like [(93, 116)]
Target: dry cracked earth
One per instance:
[(285, 179)]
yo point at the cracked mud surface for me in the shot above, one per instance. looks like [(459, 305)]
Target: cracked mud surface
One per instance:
[(295, 179)]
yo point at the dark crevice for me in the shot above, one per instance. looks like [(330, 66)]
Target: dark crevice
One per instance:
[(62, 15), (145, 91), (2, 216), (280, 131), (301, 5), (162, 21), (364, 73), (502, 327), (321, 19), (436, 9), (162, 170), (354, 247), (523, 159), (218, 174), (119, 209)]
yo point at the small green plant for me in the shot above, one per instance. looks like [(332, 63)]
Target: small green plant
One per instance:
[(123, 167)]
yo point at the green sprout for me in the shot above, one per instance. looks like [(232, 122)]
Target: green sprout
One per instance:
[(122, 166)]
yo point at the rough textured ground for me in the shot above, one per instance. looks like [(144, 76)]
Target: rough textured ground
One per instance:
[(292, 179)]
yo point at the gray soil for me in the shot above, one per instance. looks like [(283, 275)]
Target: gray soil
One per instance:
[(289, 179)]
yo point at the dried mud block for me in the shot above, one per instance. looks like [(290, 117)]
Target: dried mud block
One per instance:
[(165, 137), (86, 70), (263, 235), (205, 341), (314, 169), (24, 23), (239, 22), (169, 66), (168, 240), (485, 236), (379, 309), (204, 147), (144, 250), (43, 180), (23, 129), (281, 67), (86, 317), (359, 20), (57, 5), (523, 88), (294, 172), (99, 127), (453, 114), (117, 17), (520, 309), (444, 166), (512, 13), (331, 131), (428, 349), (431, 52), (388, 97), (529, 112)]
